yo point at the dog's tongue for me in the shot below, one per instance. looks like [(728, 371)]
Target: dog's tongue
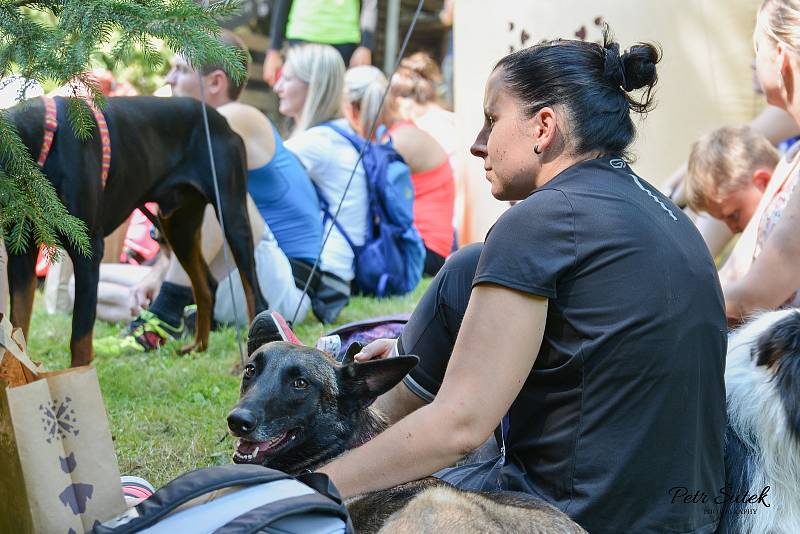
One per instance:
[(255, 451)]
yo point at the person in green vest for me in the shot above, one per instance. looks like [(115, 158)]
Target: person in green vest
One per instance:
[(347, 25)]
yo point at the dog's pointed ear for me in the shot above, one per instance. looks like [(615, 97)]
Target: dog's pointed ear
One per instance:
[(362, 383), (354, 348)]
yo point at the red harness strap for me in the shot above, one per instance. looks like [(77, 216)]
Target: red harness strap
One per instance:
[(51, 125)]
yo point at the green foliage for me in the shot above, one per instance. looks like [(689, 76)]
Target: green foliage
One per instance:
[(167, 412), (56, 41)]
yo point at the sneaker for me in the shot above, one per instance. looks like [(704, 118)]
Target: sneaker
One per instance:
[(146, 333), (190, 320), (135, 489), (269, 326)]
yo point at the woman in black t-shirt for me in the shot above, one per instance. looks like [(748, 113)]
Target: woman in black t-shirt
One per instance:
[(590, 325)]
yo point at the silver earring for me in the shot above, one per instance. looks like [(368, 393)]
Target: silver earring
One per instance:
[(536, 149)]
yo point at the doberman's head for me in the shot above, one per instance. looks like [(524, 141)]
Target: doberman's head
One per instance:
[(298, 408)]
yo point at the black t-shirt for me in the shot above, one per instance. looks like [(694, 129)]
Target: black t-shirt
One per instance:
[(626, 400)]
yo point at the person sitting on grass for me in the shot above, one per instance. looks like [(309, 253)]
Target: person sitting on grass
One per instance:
[(310, 93), (284, 217), (431, 173), (588, 332)]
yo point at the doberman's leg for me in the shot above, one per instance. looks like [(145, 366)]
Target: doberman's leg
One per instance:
[(87, 276), (239, 235), (182, 230), (22, 287)]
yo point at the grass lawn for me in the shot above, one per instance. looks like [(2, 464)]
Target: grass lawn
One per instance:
[(167, 412)]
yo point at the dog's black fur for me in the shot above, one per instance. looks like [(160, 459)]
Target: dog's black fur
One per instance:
[(304, 410), (159, 154)]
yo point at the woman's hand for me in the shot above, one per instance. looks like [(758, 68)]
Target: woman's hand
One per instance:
[(272, 64), (377, 350), (362, 56)]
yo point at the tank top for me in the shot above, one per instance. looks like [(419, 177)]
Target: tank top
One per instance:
[(283, 193), (434, 199)]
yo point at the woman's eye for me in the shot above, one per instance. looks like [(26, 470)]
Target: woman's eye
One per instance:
[(249, 370), (300, 383)]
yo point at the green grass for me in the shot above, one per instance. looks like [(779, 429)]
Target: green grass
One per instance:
[(167, 412)]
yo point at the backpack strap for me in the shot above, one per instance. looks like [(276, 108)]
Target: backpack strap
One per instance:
[(256, 519), (356, 141), (190, 486), (328, 216)]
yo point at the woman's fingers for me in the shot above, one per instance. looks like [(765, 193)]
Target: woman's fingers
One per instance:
[(377, 350)]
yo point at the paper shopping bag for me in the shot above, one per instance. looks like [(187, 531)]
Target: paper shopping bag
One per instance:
[(58, 469)]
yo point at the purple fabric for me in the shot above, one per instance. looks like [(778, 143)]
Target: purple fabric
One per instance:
[(368, 330)]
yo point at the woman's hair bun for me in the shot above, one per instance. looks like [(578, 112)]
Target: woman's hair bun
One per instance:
[(640, 66), (632, 70)]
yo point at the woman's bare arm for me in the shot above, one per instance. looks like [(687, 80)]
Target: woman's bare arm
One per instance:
[(496, 348), (775, 274)]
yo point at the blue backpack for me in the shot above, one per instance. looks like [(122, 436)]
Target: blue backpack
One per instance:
[(392, 258)]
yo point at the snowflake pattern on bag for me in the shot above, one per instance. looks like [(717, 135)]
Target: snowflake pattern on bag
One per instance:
[(58, 419)]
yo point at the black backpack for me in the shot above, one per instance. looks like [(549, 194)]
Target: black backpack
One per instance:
[(237, 499)]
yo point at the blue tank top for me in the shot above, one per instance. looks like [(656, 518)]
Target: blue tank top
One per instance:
[(283, 193)]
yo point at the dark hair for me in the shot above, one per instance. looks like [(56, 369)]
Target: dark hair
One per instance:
[(590, 82), (231, 39)]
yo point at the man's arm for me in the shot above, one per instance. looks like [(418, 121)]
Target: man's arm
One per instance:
[(484, 376), (775, 274), (277, 31)]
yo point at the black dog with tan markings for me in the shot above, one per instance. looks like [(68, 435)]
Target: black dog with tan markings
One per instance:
[(158, 153), (300, 409)]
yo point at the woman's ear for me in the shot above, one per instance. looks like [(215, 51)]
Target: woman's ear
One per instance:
[(545, 128)]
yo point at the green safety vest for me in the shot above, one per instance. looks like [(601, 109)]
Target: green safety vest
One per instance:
[(325, 21)]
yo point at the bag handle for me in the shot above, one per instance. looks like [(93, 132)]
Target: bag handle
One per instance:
[(190, 486), (256, 519), (14, 342)]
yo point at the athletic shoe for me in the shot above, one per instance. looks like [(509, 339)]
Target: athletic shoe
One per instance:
[(135, 489), (146, 333), (190, 320), (269, 326)]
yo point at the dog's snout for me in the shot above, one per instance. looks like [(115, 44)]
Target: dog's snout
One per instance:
[(241, 421)]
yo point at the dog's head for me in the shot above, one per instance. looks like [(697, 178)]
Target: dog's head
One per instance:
[(299, 408), (778, 350)]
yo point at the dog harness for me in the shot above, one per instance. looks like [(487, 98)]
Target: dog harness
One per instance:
[(51, 125)]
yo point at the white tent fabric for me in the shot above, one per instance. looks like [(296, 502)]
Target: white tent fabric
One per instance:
[(705, 78)]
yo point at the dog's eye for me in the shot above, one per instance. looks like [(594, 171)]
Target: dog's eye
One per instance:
[(249, 370), (300, 383)]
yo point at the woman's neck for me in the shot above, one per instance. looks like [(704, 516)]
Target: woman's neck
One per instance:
[(551, 169)]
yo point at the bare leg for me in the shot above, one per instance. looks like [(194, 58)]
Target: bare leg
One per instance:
[(211, 244)]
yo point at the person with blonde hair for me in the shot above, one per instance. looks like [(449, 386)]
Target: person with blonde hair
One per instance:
[(431, 173), (773, 277), (414, 88), (729, 170), (310, 93)]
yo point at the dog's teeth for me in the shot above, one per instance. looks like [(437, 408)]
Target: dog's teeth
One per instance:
[(255, 453), (293, 436)]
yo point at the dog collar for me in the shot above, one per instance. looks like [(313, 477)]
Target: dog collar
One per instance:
[(51, 126)]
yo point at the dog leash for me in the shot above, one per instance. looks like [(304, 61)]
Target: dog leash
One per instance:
[(221, 217), (372, 129)]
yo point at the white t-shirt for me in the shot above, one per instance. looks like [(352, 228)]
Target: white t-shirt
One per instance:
[(329, 159)]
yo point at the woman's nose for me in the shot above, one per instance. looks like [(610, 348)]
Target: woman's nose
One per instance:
[(478, 148)]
